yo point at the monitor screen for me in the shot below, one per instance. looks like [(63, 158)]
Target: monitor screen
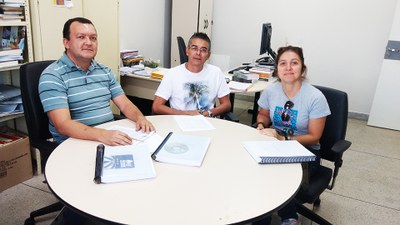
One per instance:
[(265, 46)]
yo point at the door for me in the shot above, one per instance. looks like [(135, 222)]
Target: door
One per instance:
[(205, 17), (385, 109), (184, 24)]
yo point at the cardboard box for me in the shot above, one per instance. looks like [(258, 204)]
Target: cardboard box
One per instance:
[(15, 163)]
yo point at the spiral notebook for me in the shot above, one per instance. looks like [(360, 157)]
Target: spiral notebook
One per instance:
[(274, 152)]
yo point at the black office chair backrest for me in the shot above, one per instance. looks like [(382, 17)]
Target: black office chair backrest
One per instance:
[(182, 49), (336, 123), (36, 119)]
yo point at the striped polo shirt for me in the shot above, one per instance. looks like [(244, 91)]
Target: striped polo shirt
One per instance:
[(86, 94)]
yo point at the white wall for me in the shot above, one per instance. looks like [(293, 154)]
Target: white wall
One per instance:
[(145, 26), (343, 41)]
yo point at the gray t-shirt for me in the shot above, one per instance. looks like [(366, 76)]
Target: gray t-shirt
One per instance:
[(309, 103)]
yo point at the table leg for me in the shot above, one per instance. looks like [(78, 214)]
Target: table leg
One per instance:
[(232, 99), (255, 108)]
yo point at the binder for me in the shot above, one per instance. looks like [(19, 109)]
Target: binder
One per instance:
[(275, 152), (182, 149), (123, 163)]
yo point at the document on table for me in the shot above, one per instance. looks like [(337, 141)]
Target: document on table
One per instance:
[(272, 152), (193, 123), (182, 149), (123, 163), (151, 139)]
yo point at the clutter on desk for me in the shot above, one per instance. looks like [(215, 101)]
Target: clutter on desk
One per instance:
[(130, 57), (264, 72), (245, 76), (130, 69), (151, 63)]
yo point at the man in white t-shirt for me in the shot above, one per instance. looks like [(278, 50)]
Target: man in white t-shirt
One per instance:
[(193, 87)]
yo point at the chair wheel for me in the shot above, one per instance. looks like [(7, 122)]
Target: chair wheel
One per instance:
[(29, 221)]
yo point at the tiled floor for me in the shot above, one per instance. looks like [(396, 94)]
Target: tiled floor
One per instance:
[(367, 190)]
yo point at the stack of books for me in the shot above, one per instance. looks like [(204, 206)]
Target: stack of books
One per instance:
[(130, 57), (264, 72), (11, 10)]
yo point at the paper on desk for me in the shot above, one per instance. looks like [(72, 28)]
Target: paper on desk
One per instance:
[(151, 139), (126, 163), (193, 123)]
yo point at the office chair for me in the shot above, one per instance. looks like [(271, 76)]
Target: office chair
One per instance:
[(333, 145), (182, 49), (37, 122)]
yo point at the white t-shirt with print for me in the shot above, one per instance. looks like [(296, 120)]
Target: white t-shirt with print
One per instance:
[(193, 91)]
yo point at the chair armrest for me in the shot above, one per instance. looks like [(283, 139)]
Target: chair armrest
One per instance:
[(230, 116), (119, 117), (341, 146)]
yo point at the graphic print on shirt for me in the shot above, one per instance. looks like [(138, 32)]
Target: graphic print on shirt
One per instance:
[(197, 94), (285, 118)]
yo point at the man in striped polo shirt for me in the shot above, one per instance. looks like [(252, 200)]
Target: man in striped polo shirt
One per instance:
[(76, 91)]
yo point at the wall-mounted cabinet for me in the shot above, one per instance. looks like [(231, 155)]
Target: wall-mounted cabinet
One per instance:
[(188, 17), (48, 20)]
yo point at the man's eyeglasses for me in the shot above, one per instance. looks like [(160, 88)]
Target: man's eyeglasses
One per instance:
[(202, 50), (285, 115)]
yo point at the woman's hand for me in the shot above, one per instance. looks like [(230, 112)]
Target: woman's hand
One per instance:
[(272, 133)]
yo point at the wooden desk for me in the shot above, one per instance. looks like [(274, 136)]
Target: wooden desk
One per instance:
[(228, 188), (146, 87), (139, 86)]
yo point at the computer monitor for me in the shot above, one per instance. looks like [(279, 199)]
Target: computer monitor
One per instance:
[(265, 46)]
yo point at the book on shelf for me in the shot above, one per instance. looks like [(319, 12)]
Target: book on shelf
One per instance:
[(182, 149), (275, 152), (10, 51), (8, 63), (123, 163), (8, 92)]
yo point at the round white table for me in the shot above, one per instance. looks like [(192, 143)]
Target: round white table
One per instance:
[(229, 187)]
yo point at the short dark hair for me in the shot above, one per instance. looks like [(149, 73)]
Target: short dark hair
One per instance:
[(202, 36), (298, 51), (67, 25)]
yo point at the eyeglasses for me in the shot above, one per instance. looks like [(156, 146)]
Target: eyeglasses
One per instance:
[(202, 50), (285, 115)]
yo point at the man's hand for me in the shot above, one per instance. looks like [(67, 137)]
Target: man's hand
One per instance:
[(143, 124), (114, 137)]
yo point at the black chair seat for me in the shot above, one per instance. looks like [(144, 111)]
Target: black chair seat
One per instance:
[(317, 184)]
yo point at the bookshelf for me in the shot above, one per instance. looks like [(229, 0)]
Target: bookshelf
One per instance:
[(10, 74)]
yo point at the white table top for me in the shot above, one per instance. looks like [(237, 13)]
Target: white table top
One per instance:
[(229, 187)]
